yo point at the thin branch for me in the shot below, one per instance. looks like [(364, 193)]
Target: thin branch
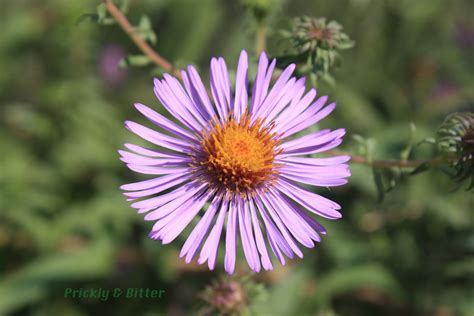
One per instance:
[(391, 163), (138, 40), (397, 163), (261, 38)]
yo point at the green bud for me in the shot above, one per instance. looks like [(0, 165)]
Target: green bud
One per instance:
[(310, 33), (232, 295), (316, 43), (456, 137), (226, 296), (456, 134)]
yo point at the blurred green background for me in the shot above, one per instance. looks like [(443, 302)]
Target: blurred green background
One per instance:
[(65, 224)]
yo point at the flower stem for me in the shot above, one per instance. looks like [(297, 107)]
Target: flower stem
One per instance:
[(138, 40), (261, 38), (391, 163)]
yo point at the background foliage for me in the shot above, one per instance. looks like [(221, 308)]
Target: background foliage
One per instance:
[(64, 223)]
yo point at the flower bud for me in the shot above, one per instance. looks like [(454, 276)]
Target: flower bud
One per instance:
[(226, 296), (456, 137), (316, 43)]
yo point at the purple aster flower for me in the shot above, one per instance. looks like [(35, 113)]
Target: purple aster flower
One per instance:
[(235, 162)]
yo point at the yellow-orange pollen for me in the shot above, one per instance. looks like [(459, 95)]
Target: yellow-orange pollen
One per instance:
[(239, 155)]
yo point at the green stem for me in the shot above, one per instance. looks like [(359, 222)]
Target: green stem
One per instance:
[(261, 38), (138, 40), (391, 163)]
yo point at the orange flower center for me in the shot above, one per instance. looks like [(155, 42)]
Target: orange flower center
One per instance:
[(239, 156)]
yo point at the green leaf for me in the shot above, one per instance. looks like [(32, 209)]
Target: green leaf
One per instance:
[(135, 60), (144, 29), (377, 176), (99, 17), (358, 138), (405, 154), (346, 44), (425, 166), (101, 11), (429, 140), (124, 6), (92, 17)]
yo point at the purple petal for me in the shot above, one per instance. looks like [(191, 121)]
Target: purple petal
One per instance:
[(279, 100), (312, 141), (200, 96), (272, 97), (258, 92), (307, 122), (211, 246), (296, 107), (173, 105), (153, 152), (156, 170), (281, 226), (164, 123), (290, 215), (199, 109), (246, 235), (300, 161), (302, 117), (311, 201), (262, 248), (169, 207), (219, 90), (286, 96), (226, 82), (315, 182), (129, 157), (311, 221), (189, 106), (312, 150), (241, 95), (199, 232), (157, 138), (275, 238), (189, 210), (323, 173), (230, 239), (151, 183), (263, 88), (172, 213), (291, 220), (175, 180)]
